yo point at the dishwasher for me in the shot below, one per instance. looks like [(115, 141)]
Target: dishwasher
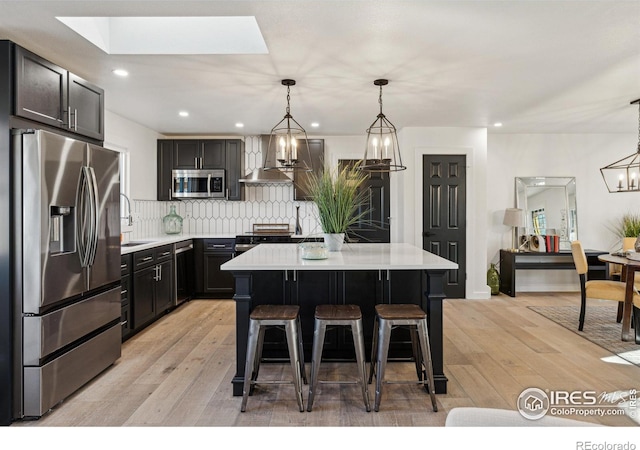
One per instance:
[(184, 266)]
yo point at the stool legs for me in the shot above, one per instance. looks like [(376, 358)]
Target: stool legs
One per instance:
[(384, 335), (295, 354), (251, 365), (421, 353), (426, 358), (358, 341), (318, 343)]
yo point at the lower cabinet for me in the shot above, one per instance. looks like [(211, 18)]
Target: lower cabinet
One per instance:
[(210, 254), (153, 285), (125, 296)]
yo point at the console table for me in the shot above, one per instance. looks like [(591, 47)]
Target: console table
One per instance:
[(512, 261)]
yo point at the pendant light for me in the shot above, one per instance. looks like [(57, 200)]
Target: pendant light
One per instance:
[(624, 175), (288, 148), (382, 153)]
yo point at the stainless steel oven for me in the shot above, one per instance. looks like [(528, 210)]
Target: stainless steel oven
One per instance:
[(198, 183)]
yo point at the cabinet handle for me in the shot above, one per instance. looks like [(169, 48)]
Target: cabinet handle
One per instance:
[(124, 322), (159, 273), (148, 258), (156, 276), (75, 119), (216, 246), (165, 253), (195, 163), (123, 292), (169, 193), (69, 117), (123, 266)]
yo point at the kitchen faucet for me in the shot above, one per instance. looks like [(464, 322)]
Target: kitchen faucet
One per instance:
[(129, 217)]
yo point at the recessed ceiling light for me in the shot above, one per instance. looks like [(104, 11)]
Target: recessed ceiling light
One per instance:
[(184, 114), (315, 124), (497, 124), (120, 72), (239, 125)]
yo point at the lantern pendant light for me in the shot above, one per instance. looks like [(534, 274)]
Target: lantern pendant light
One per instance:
[(624, 175), (382, 152), (288, 148)]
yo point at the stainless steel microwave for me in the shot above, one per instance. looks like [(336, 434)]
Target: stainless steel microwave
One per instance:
[(201, 183)]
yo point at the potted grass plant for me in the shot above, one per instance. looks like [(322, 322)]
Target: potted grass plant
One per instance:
[(339, 201), (628, 229)]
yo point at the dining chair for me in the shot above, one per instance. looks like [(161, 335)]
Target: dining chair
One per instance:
[(615, 271), (596, 289)]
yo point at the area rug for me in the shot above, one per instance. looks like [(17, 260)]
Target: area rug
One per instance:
[(600, 327)]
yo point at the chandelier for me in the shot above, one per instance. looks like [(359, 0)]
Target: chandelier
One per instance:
[(382, 153), (624, 175), (288, 148)]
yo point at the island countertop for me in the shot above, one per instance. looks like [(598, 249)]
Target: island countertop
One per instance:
[(374, 256)]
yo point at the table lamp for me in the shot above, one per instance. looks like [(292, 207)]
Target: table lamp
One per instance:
[(514, 217)]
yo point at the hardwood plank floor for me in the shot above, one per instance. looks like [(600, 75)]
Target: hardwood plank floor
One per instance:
[(178, 372)]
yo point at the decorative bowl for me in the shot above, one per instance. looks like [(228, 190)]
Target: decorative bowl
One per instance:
[(313, 250)]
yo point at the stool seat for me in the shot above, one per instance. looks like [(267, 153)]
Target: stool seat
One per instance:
[(388, 317), (338, 312), (338, 315), (275, 312), (263, 316), (398, 312)]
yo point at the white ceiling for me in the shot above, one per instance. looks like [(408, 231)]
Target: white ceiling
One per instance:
[(536, 66)]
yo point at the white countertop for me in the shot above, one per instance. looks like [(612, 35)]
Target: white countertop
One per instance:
[(398, 256), (151, 242)]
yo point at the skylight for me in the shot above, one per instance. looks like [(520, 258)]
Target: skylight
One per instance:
[(170, 35)]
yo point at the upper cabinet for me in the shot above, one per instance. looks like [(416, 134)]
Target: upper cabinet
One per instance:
[(49, 94), (227, 154), (316, 153)]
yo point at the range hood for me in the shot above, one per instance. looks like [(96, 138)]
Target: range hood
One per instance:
[(261, 176)]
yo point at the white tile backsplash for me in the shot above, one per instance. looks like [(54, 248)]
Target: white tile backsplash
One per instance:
[(264, 204)]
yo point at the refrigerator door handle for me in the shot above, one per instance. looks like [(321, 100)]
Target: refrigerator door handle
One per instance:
[(81, 230), (95, 216)]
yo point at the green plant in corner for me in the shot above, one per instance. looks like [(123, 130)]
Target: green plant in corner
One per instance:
[(338, 198)]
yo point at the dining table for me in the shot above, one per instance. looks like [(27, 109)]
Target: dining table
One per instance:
[(629, 269)]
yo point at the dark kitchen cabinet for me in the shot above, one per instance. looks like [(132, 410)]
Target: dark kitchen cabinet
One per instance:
[(315, 158), (210, 254), (199, 154), (86, 106), (125, 296), (164, 167), (153, 285), (49, 94), (234, 165), (227, 154)]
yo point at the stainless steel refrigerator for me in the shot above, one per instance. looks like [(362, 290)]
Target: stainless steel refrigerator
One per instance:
[(66, 267)]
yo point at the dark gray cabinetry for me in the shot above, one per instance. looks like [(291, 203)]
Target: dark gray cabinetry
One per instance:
[(234, 164), (316, 153), (153, 292), (125, 296), (210, 254), (164, 166), (227, 154), (49, 94), (199, 154)]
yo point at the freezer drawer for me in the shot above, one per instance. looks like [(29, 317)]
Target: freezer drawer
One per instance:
[(46, 386), (45, 334)]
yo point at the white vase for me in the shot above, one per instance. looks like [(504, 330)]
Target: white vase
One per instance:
[(334, 241)]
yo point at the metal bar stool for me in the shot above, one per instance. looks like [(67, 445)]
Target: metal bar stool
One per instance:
[(263, 316), (392, 316), (338, 315)]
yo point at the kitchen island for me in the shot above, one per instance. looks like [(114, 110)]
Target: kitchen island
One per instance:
[(360, 274)]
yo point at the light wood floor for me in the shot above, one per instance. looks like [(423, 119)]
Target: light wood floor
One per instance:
[(178, 372)]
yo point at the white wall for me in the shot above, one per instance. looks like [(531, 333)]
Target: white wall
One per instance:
[(564, 155), (141, 145)]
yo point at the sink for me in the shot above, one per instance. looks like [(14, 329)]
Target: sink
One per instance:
[(134, 243)]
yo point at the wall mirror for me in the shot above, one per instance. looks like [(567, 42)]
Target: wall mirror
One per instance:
[(549, 206)]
